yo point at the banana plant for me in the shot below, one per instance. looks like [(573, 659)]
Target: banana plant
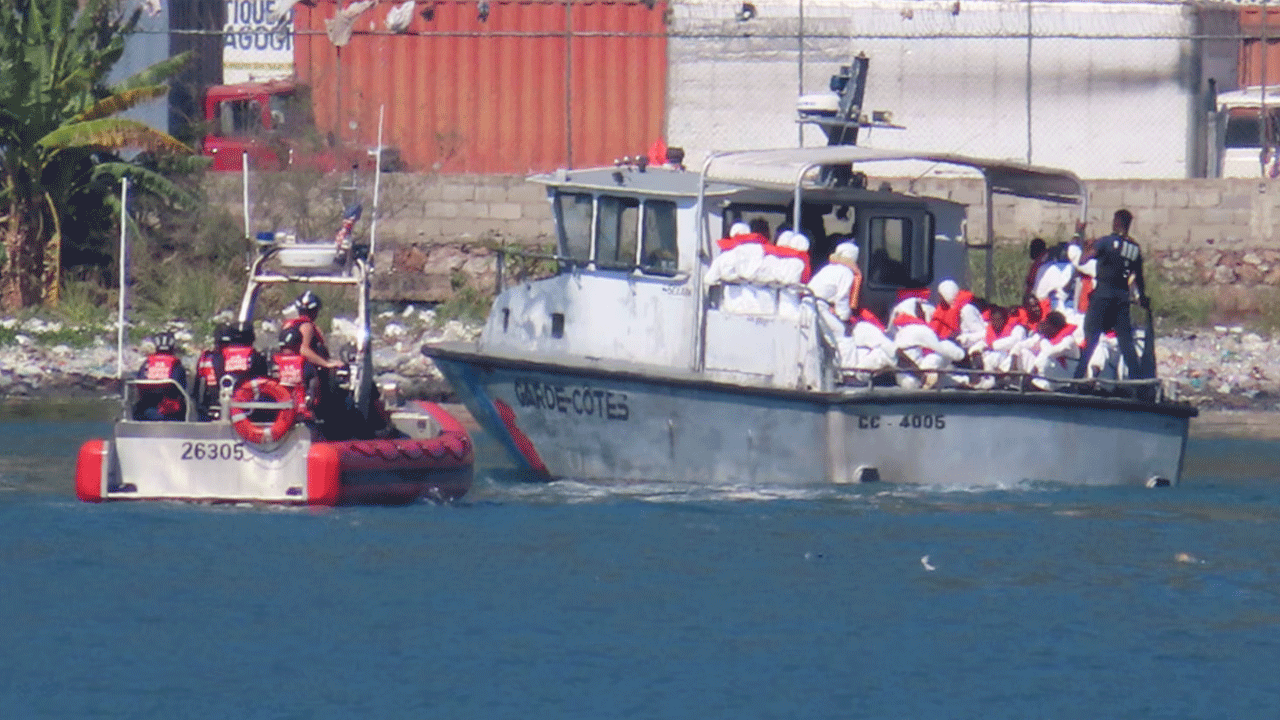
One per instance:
[(60, 133)]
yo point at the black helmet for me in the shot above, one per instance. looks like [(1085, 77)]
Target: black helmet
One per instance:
[(308, 303), (243, 333), (224, 335), (291, 339), (164, 342)]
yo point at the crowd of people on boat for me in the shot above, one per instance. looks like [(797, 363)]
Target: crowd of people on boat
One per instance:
[(1073, 323), (301, 363)]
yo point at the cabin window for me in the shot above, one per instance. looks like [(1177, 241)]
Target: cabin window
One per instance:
[(573, 212), (617, 231), (899, 253), (238, 117), (659, 252), (1242, 129)]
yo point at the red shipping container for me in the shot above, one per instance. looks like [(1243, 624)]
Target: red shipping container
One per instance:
[(533, 87)]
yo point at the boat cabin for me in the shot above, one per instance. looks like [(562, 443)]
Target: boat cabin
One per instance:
[(634, 243)]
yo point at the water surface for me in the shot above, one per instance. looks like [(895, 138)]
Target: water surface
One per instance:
[(578, 600)]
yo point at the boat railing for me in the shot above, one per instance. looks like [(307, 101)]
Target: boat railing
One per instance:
[(130, 390), (1149, 389)]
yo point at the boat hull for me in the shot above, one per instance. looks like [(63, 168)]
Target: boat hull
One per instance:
[(586, 421), (210, 462)]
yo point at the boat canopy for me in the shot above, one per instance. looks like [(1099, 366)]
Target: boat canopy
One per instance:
[(786, 168)]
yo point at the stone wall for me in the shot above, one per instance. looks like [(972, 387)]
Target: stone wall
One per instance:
[(437, 232)]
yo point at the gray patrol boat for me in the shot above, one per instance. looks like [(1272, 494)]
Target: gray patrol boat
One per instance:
[(624, 365)]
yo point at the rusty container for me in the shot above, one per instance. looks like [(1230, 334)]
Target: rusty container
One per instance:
[(496, 87)]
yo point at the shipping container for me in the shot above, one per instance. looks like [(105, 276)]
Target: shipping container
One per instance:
[(1253, 28), (492, 87)]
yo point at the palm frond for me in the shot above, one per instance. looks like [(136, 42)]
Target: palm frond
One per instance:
[(146, 181), (154, 75), (113, 134), (121, 101)]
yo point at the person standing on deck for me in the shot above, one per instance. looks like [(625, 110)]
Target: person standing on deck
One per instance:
[(1119, 263)]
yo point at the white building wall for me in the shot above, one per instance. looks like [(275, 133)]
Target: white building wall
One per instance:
[(1104, 103)]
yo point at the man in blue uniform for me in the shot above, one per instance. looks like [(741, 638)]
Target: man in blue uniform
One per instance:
[(1119, 261)]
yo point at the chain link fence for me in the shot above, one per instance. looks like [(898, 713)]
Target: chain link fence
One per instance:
[(1112, 89)]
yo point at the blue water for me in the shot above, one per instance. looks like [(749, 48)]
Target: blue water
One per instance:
[(572, 600)]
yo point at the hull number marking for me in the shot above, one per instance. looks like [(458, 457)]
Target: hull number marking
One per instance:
[(214, 450), (911, 422), (578, 400)]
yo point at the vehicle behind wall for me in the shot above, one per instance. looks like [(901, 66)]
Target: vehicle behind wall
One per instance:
[(274, 123), (1237, 142)]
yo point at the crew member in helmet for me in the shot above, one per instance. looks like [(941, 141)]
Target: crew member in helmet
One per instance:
[(163, 380), (294, 372), (236, 359), (205, 390), (312, 347)]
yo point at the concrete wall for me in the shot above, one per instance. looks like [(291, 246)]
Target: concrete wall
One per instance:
[(1111, 85), (437, 231)]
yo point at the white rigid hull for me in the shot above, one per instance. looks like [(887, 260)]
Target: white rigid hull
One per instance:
[(593, 423), (202, 461)]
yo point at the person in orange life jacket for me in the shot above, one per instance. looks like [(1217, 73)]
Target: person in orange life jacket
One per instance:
[(205, 390), (237, 358), (1003, 334), (292, 370), (159, 399), (957, 317), (1119, 263), (1056, 345)]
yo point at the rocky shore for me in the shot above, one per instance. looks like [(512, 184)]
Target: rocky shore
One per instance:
[(1220, 367)]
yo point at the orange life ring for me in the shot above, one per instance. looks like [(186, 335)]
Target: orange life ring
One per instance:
[(259, 390)]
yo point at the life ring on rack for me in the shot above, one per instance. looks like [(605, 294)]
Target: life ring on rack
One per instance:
[(262, 390)]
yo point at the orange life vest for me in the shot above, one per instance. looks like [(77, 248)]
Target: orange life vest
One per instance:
[(946, 320)]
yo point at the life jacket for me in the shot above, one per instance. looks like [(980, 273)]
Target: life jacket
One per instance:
[(907, 319), (233, 360), (1068, 329), (1062, 334), (865, 315), (205, 371), (730, 243), (921, 293), (1086, 289), (946, 321), (317, 337), (290, 371), (1005, 332), (786, 252), (160, 366), (1023, 318)]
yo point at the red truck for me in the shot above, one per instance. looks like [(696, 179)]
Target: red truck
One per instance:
[(273, 122)]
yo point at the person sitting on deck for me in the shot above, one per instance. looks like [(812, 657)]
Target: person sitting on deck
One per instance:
[(957, 318), (869, 350), (1002, 335), (918, 347), (162, 381), (1052, 353)]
